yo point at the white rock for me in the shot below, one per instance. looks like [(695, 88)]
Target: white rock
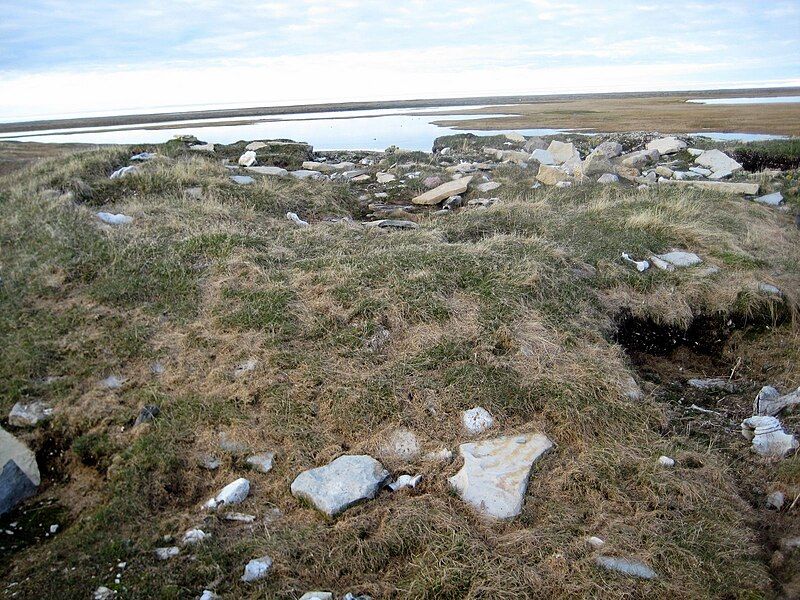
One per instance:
[(144, 156), (306, 174), (385, 177), (441, 455), (666, 461), (682, 175), (664, 171), (748, 189), (209, 595), (240, 517), (340, 484), (607, 178), (272, 171), (564, 184), (695, 151), (404, 481), (515, 137), (639, 158), (19, 472), (477, 420), (248, 159), (488, 186), (595, 164), (114, 219), (124, 171), (641, 265), (551, 175), (103, 593), (242, 179), (668, 145), (256, 569), (661, 264), (770, 402), (625, 566), (768, 288), (112, 382), (233, 493), (679, 258), (717, 161), (443, 192), (194, 536), (543, 157), (262, 461), (29, 414), (167, 553), (720, 175), (595, 542), (317, 596), (495, 473), (296, 220), (768, 437), (610, 149), (311, 165), (202, 147), (402, 444), (562, 152), (774, 199), (245, 367), (701, 171), (255, 146), (715, 383), (775, 500)]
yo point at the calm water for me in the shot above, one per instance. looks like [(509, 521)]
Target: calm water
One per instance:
[(767, 100)]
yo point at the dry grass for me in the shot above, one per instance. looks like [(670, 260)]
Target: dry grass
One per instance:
[(482, 307)]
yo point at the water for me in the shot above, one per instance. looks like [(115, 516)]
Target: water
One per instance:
[(739, 137), (765, 100)]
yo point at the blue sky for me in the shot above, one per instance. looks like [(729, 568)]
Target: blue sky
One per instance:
[(64, 57)]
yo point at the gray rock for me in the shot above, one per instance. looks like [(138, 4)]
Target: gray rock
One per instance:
[(317, 596), (666, 461), (625, 566), (143, 156), (495, 474), (194, 536), (306, 174), (262, 461), (775, 500), (562, 152), (718, 162), (392, 224), (340, 484), (442, 192), (664, 171), (385, 177), (124, 172), (610, 149), (596, 163), (114, 219), (257, 569), (770, 402), (748, 189), (768, 288), (774, 199), (112, 382), (716, 383), (167, 553), (202, 147), (453, 202), (668, 145), (679, 258), (233, 493), (535, 143), (248, 159), (515, 137), (29, 414), (607, 178), (19, 477), (488, 186), (147, 414), (701, 171), (768, 437), (477, 420), (242, 179), (543, 157), (271, 171), (103, 593), (212, 463)]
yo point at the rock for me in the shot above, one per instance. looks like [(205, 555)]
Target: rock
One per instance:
[(255, 146), (535, 143), (167, 553), (432, 182), (768, 437), (661, 264), (405, 481), (668, 145), (361, 178), (271, 171), (625, 566), (311, 165), (550, 175), (29, 414), (790, 543), (193, 193), (717, 383), (202, 147), (209, 595), (212, 463), (595, 542), (245, 367), (441, 455), (718, 162), (392, 224), (775, 500), (453, 202), (720, 175), (629, 173), (353, 174), (233, 493), (774, 199), (143, 156), (564, 184), (402, 444), (639, 159), (482, 202), (248, 159), (340, 484), (596, 163), (477, 420), (442, 192), (317, 596), (262, 461), (157, 368), (701, 171), (239, 517), (768, 288), (242, 179), (664, 171), (306, 174), (515, 137), (103, 593), (681, 175), (514, 156), (19, 477), (610, 149), (607, 178), (769, 401), (748, 189), (463, 167), (543, 157), (147, 414), (495, 473), (695, 151), (631, 389), (488, 186), (114, 219), (385, 177), (194, 536), (112, 382), (678, 258), (641, 265), (562, 152), (666, 461), (257, 569), (296, 220), (123, 172)]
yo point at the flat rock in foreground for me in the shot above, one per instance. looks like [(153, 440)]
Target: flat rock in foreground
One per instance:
[(495, 472), (443, 192), (340, 484), (749, 189), (19, 472)]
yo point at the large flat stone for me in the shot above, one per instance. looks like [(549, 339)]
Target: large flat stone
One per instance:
[(550, 175), (495, 472), (340, 484), (748, 189), (718, 162), (668, 145), (19, 472), (443, 192), (562, 152)]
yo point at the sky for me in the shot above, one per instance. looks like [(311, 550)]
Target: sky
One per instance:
[(81, 57)]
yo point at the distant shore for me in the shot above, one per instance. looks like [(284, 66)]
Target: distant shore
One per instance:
[(490, 101)]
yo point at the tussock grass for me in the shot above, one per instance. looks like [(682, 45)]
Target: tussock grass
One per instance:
[(512, 308)]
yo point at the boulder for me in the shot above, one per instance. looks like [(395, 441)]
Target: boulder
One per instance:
[(515, 137), (768, 437), (718, 162), (19, 477), (123, 172), (443, 192), (770, 402), (668, 145), (596, 163), (551, 175), (607, 178), (543, 157), (255, 146), (257, 569), (629, 173), (385, 177), (488, 186), (748, 189), (678, 258), (562, 152), (29, 414), (535, 143), (248, 159), (311, 165), (664, 171), (640, 158), (261, 461), (514, 156), (495, 473), (233, 493), (625, 566), (610, 149), (340, 484), (774, 199), (202, 147), (477, 420)]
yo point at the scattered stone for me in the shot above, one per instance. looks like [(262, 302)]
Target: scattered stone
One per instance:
[(717, 383), (495, 473), (610, 149), (404, 481), (629, 173), (143, 156), (664, 171), (29, 414), (768, 288), (242, 179), (233, 493), (668, 145), (607, 178), (488, 186), (543, 157), (392, 224), (564, 184), (769, 401), (625, 566), (340, 484), (441, 455), (103, 593), (748, 189), (112, 382), (595, 542), (535, 143), (209, 595), (19, 477), (167, 553), (681, 175), (262, 461), (641, 265), (317, 596), (639, 159), (239, 517), (255, 146), (248, 159), (245, 367), (442, 192), (768, 437), (562, 152), (666, 461), (515, 137), (701, 171), (114, 219), (123, 172), (695, 151), (453, 202), (194, 536), (718, 162), (271, 171), (679, 258), (432, 182), (402, 444), (212, 463), (551, 175), (361, 178), (202, 147), (774, 199), (477, 420), (157, 368), (257, 569), (310, 165), (385, 177), (596, 163), (775, 500), (296, 220), (147, 414), (306, 174)]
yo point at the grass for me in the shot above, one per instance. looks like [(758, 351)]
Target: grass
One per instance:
[(512, 308)]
